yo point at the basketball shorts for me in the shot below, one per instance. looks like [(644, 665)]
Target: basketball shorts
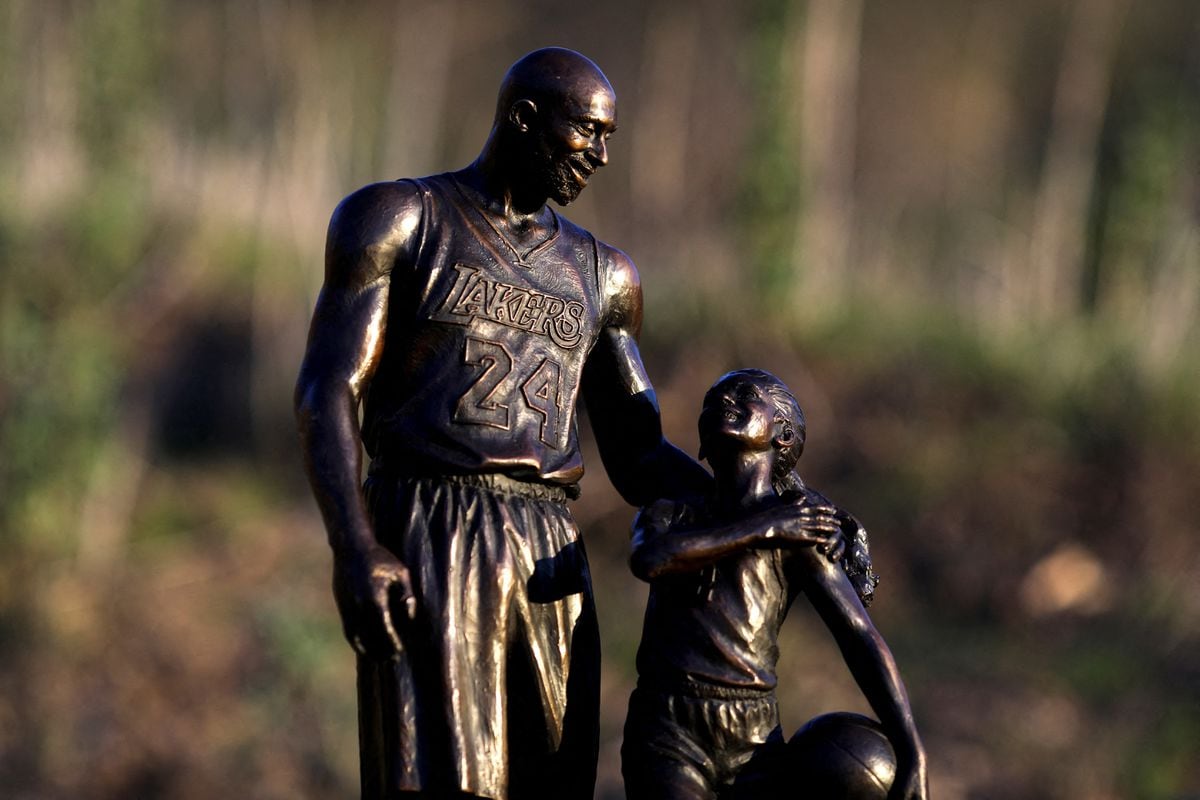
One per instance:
[(678, 746), (496, 693)]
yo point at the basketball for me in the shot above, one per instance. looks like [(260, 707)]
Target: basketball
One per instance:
[(841, 755)]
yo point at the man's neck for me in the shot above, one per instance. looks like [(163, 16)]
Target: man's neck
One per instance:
[(503, 185)]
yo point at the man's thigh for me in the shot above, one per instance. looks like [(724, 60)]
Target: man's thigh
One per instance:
[(505, 651)]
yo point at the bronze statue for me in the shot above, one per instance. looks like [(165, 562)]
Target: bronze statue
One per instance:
[(703, 721), (467, 316)]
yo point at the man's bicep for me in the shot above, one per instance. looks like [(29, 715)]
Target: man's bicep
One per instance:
[(346, 337), (371, 233), (615, 371)]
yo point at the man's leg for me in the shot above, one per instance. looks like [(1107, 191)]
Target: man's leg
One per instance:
[(432, 719), (553, 681)]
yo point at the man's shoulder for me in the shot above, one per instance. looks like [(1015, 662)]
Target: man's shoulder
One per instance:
[(617, 264), (611, 260), (372, 229), (385, 194), (379, 210), (620, 284)]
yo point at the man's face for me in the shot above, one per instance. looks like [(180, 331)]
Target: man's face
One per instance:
[(572, 141), (738, 412)]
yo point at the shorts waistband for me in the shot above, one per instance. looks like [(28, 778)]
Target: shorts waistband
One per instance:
[(495, 482), (705, 691)]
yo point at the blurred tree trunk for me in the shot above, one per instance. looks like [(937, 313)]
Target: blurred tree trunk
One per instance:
[(658, 174), (1173, 305), (418, 86), (829, 43), (1060, 214)]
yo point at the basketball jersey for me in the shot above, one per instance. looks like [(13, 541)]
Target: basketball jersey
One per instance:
[(717, 627), (485, 347)]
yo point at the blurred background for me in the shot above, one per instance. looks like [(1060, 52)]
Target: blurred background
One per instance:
[(966, 232)]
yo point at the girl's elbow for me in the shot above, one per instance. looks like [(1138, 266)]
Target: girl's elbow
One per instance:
[(643, 567)]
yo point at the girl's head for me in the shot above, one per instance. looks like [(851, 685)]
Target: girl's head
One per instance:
[(752, 409)]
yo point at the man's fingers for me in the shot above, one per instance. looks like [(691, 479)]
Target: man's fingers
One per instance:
[(830, 543), (409, 604), (836, 549), (353, 638), (367, 639), (375, 598), (402, 598), (384, 609), (390, 628), (817, 531)]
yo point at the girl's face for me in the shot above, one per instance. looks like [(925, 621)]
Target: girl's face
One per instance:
[(738, 411)]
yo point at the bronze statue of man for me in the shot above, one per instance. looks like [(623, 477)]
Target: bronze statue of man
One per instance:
[(467, 316)]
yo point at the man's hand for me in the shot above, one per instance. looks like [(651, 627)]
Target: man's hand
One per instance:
[(813, 525), (374, 596)]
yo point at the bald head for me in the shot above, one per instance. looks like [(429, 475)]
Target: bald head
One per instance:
[(552, 76), (555, 113)]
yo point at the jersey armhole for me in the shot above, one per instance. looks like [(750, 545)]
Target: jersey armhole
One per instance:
[(423, 227), (601, 276)]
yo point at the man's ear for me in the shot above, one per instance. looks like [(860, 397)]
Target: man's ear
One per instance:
[(522, 115)]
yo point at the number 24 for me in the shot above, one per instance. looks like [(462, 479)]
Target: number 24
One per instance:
[(480, 403)]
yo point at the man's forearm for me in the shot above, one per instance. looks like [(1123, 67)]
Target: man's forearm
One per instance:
[(332, 457), (667, 472), (642, 465)]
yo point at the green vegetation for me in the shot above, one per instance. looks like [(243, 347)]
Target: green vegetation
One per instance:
[(981, 274)]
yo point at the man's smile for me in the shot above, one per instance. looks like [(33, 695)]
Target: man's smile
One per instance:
[(581, 171)]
